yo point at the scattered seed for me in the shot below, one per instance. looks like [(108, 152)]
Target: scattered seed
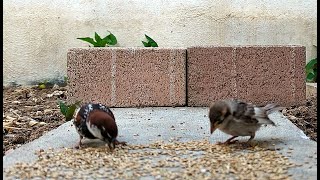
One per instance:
[(33, 122), (159, 160)]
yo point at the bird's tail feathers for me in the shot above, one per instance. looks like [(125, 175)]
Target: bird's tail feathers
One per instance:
[(261, 114), (269, 108), (266, 121)]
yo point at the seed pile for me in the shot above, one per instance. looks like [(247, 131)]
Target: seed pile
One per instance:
[(178, 160)]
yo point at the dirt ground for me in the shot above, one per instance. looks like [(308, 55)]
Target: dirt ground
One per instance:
[(29, 112), (304, 117)]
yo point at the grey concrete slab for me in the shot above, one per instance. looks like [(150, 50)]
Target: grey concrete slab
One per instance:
[(146, 125)]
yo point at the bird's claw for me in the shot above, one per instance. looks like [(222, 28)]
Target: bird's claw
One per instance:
[(78, 146), (247, 145), (232, 142), (227, 142), (120, 143)]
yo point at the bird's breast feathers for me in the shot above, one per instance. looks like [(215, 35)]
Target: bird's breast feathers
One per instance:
[(90, 120)]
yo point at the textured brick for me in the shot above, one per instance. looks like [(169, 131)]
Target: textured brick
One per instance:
[(209, 75), (257, 74), (128, 77)]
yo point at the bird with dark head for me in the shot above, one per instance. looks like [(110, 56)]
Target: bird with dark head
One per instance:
[(238, 118), (96, 121)]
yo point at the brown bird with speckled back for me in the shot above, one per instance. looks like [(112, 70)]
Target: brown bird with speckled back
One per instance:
[(96, 121)]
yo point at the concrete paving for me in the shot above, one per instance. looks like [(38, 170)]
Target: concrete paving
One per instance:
[(146, 125)]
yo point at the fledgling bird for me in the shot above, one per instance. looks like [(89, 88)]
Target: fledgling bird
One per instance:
[(96, 121), (239, 118)]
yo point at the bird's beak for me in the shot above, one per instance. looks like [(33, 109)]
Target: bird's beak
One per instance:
[(213, 128)]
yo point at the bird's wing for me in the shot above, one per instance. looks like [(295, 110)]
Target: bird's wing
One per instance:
[(241, 109), (105, 109), (249, 113), (247, 120), (243, 112)]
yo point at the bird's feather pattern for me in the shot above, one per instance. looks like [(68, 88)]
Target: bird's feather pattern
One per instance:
[(95, 121), (238, 118)]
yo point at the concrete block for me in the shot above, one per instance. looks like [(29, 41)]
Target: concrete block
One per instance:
[(209, 75), (128, 77), (257, 74)]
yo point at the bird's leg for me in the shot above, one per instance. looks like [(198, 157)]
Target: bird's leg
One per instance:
[(111, 146), (251, 137), (115, 142), (78, 146), (122, 142), (248, 144), (228, 141)]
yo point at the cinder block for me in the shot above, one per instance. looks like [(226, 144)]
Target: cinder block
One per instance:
[(127, 77), (209, 75), (257, 74)]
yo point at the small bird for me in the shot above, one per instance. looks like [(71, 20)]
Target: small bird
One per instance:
[(96, 121), (239, 118)]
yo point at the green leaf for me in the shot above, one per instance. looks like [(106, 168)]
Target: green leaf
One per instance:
[(65, 78), (315, 75), (63, 108), (311, 64), (42, 86), (310, 77), (111, 39), (89, 40), (101, 43), (151, 41), (106, 40), (146, 44), (97, 37), (148, 38), (154, 44), (70, 112), (311, 70)]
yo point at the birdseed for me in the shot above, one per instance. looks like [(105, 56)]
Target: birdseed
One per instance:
[(159, 160)]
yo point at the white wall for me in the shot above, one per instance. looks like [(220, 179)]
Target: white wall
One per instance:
[(38, 33)]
